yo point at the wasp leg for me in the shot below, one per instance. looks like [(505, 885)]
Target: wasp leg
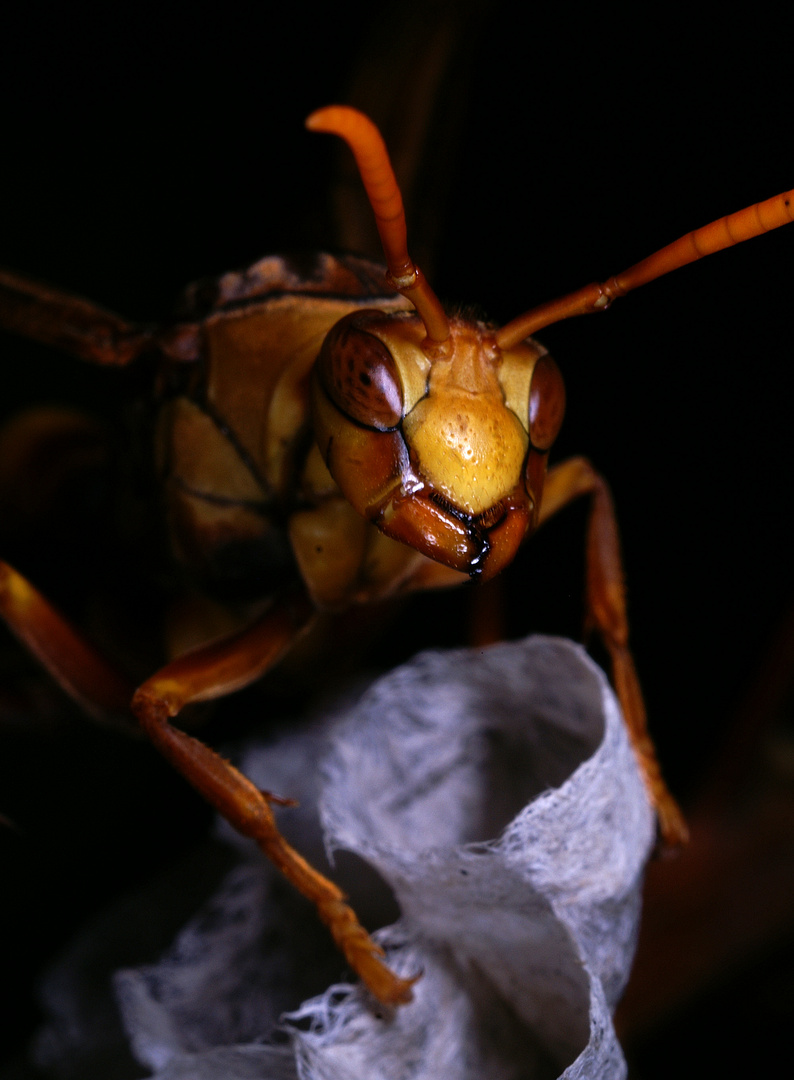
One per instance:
[(68, 322), (606, 612), (212, 671), (205, 673), (85, 676)]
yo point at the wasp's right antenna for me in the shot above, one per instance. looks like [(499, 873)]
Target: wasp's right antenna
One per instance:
[(379, 181)]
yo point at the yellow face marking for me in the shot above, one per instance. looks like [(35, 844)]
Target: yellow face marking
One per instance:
[(468, 444), (470, 448)]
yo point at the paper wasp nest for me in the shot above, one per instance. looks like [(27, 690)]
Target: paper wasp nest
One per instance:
[(495, 792)]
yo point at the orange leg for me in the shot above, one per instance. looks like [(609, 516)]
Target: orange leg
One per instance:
[(68, 322), (606, 612), (205, 673), (212, 671), (85, 676)]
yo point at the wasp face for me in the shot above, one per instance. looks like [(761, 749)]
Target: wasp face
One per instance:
[(446, 454)]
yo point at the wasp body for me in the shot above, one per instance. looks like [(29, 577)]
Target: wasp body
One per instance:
[(321, 444)]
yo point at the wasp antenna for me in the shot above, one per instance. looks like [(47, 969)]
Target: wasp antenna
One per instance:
[(380, 184), (725, 232)]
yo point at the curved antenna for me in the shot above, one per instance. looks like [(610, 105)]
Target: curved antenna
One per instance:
[(733, 229), (380, 184)]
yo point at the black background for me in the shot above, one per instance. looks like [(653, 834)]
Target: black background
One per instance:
[(144, 148)]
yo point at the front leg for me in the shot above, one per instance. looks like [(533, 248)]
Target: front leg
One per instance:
[(205, 673), (606, 612), (212, 671)]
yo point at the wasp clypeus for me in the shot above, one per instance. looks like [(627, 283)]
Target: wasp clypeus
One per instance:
[(327, 435)]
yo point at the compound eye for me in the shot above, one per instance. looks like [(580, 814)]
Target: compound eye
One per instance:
[(359, 374), (546, 403)]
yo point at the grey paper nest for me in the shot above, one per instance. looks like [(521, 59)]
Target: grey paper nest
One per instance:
[(496, 793)]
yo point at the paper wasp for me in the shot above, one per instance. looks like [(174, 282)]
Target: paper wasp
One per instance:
[(327, 436)]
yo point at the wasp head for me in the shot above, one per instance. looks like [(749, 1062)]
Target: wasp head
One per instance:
[(446, 453)]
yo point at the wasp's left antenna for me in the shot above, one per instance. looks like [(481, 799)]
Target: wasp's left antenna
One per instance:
[(724, 233)]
